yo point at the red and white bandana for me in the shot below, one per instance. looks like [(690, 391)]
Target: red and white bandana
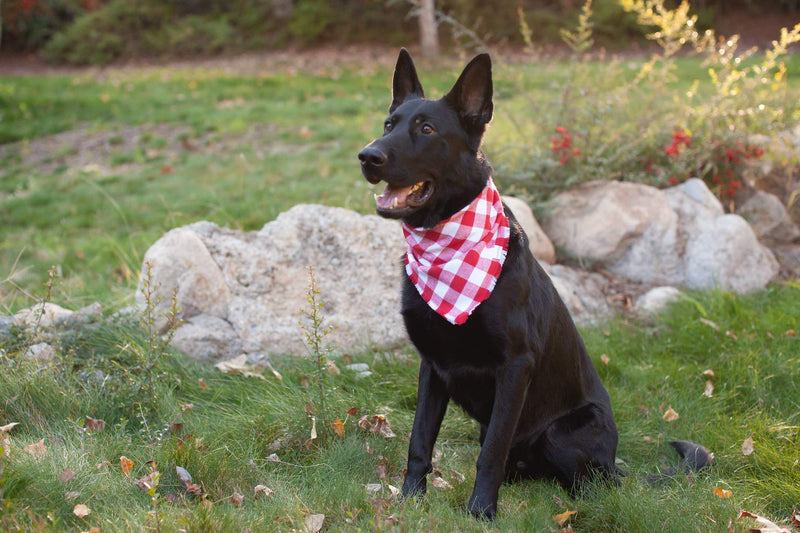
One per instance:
[(455, 264)]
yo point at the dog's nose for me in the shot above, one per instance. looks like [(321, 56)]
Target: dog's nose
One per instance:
[(371, 156)]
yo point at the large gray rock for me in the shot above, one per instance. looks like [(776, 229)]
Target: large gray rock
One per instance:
[(540, 245), (769, 219), (207, 338), (261, 278), (675, 237)]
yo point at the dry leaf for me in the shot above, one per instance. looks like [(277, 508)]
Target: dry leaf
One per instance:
[(263, 489), (671, 415), (338, 427), (81, 511), (273, 458), (333, 370), (95, 425), (709, 323), (313, 427), (795, 517), (440, 483), (146, 481), (313, 523), (183, 476), (237, 499), (747, 446), (721, 493), (100, 465), (194, 488), (8, 427), (173, 497), (605, 359), (274, 372), (732, 335), (175, 427), (394, 490), (564, 517), (459, 477), (305, 132), (769, 525), (238, 365), (37, 449), (352, 411), (709, 373), (373, 488), (66, 475), (186, 407), (201, 382), (709, 390), (126, 465), (791, 333), (381, 471), (71, 495)]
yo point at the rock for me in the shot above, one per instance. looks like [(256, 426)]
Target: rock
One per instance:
[(6, 327), (727, 255), (40, 352), (357, 367), (581, 291), (675, 237), (261, 278), (540, 245), (46, 315), (180, 264), (656, 300), (769, 219), (600, 220), (92, 311), (207, 338)]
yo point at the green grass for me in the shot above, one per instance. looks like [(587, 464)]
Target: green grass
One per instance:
[(231, 430)]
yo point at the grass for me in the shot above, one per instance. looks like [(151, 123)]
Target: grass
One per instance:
[(237, 422), (176, 146)]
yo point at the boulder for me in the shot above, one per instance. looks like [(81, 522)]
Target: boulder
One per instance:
[(207, 338), (679, 236), (656, 300), (540, 245), (769, 219)]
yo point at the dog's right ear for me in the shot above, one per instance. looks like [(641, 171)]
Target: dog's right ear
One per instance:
[(405, 83)]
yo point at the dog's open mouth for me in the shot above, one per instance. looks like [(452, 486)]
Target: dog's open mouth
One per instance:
[(401, 199)]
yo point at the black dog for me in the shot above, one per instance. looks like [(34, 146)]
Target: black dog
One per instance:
[(512, 359)]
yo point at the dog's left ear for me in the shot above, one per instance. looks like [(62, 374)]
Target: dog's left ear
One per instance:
[(471, 96)]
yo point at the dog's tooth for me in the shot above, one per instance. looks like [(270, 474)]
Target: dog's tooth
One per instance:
[(395, 202)]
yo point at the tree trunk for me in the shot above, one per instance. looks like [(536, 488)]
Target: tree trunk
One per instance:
[(429, 39)]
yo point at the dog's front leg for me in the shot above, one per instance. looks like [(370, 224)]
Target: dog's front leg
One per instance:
[(432, 401), (510, 392)]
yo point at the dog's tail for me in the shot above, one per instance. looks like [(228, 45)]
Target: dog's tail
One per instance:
[(694, 458)]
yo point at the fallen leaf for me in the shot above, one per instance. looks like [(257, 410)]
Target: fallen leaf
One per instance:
[(36, 449), (126, 465), (175, 427), (66, 475), (709, 323), (8, 427), (671, 415), (394, 490), (313, 428), (458, 476), (173, 497), (605, 359), (352, 411), (201, 382), (305, 132), (373, 488), (101, 464), (564, 517), (790, 333), (709, 390), (795, 517), (186, 407), (333, 370), (273, 458), (381, 471), (263, 489), (308, 408), (147, 481), (769, 525), (183, 476), (194, 488), (313, 523), (732, 335), (338, 427), (71, 495), (709, 373), (274, 372), (440, 483), (95, 425), (721, 493), (237, 499), (81, 511), (238, 365), (747, 446)]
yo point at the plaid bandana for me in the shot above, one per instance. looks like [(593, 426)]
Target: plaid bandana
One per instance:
[(455, 264)]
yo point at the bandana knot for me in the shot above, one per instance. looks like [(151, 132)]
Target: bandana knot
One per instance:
[(455, 264)]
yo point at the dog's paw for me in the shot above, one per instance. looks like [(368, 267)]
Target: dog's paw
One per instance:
[(414, 488), (482, 510)]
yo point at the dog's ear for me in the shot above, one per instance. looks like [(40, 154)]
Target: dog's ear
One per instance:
[(471, 96), (405, 83)]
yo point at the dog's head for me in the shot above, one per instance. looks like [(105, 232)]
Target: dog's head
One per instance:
[(429, 154)]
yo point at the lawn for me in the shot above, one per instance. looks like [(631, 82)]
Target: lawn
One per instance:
[(159, 147)]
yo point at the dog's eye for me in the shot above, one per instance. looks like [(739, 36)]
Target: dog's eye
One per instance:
[(387, 126), (427, 129)]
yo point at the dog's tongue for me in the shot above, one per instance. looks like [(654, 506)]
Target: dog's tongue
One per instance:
[(393, 197)]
